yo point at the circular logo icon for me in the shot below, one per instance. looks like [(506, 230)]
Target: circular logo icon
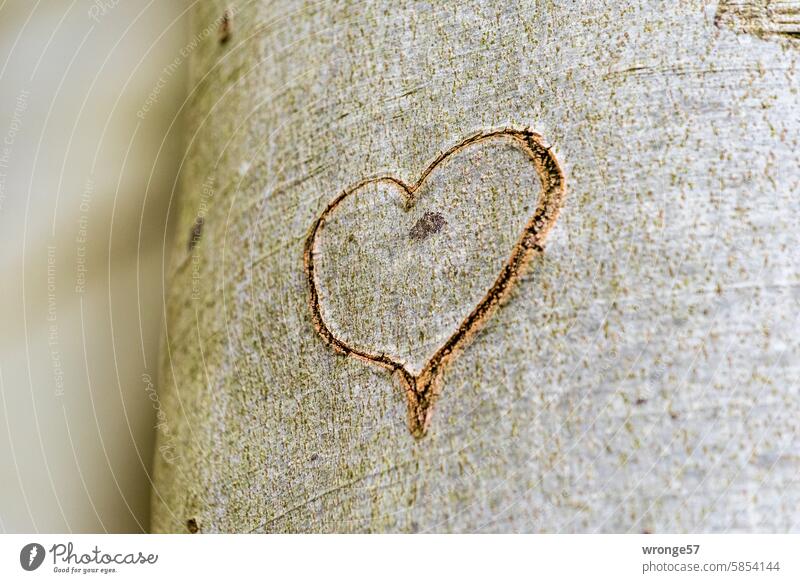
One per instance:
[(31, 556)]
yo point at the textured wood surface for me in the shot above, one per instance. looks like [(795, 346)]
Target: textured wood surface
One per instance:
[(773, 19), (644, 373)]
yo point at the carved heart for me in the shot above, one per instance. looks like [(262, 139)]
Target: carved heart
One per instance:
[(403, 275)]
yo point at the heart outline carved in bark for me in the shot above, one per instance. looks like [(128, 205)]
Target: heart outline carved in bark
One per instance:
[(423, 389)]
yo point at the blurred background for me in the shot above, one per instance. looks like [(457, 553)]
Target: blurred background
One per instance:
[(90, 145)]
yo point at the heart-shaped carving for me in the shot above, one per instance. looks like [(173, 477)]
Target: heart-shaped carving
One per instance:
[(402, 275)]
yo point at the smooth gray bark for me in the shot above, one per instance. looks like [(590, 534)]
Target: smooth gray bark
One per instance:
[(642, 372)]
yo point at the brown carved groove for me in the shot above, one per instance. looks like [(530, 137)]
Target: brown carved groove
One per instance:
[(423, 390)]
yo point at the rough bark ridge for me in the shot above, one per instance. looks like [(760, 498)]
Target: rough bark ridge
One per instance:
[(643, 373)]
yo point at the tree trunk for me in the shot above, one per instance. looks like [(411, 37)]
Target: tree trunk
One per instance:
[(370, 328)]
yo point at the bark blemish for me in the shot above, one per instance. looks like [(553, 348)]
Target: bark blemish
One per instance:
[(427, 225), (191, 526), (225, 27), (196, 233)]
